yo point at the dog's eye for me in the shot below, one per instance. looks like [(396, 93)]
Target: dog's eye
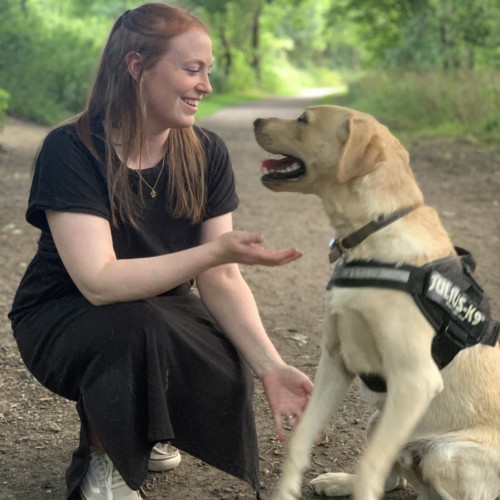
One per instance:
[(302, 119)]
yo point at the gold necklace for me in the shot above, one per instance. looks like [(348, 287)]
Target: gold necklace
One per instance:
[(153, 190)]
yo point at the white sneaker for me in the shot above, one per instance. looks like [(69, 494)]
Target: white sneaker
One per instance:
[(104, 482), (164, 457)]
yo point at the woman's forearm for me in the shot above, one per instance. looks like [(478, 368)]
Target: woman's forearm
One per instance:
[(124, 280), (230, 301)]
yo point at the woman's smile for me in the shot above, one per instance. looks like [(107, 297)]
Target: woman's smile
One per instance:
[(192, 103)]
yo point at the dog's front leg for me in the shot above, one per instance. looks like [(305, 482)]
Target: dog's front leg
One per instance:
[(331, 383), (413, 380)]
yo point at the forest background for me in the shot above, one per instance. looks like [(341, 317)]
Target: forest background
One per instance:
[(422, 66)]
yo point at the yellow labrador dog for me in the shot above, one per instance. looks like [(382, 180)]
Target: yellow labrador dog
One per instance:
[(437, 429)]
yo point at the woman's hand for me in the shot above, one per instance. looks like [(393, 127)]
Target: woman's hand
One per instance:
[(288, 391), (246, 248)]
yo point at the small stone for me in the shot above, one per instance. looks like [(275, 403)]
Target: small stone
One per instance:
[(448, 214), (8, 227), (55, 427)]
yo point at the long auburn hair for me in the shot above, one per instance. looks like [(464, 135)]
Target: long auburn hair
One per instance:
[(120, 102)]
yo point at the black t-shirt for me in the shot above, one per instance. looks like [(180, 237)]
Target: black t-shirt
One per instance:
[(69, 178)]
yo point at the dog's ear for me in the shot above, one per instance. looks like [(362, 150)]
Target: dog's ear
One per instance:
[(363, 151)]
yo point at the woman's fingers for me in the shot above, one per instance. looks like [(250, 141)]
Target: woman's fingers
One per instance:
[(266, 257), (279, 427), (246, 248)]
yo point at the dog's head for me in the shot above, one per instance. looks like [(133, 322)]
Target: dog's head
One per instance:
[(325, 145)]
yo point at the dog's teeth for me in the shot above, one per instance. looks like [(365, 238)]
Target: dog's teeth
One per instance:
[(265, 171), (292, 168)]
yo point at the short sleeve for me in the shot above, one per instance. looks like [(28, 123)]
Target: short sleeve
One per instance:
[(67, 178), (221, 195)]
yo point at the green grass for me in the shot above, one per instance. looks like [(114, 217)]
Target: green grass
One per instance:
[(460, 105), (215, 102)]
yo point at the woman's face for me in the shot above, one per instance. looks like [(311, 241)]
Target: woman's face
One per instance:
[(179, 81)]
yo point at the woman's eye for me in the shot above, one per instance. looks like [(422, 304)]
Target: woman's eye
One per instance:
[(303, 119), (192, 71)]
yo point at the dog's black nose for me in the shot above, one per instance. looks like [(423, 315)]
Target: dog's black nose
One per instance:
[(257, 122)]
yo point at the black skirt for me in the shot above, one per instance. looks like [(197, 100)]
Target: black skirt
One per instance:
[(144, 372)]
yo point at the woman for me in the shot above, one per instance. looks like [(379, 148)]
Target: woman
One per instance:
[(134, 203)]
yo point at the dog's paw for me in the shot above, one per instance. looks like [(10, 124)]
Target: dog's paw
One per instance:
[(334, 484), (287, 494)]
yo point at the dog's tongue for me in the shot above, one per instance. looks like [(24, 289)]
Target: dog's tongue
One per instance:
[(278, 164)]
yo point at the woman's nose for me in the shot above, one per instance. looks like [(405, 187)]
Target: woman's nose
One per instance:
[(204, 85)]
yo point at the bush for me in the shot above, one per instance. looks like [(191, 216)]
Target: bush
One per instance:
[(4, 105), (459, 101), (48, 62)]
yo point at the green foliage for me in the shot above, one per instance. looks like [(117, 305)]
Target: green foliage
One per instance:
[(4, 105), (49, 62), (425, 34)]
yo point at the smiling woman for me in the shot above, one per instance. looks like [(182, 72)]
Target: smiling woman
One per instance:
[(134, 202)]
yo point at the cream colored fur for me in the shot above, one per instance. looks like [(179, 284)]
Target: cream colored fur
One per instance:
[(440, 431)]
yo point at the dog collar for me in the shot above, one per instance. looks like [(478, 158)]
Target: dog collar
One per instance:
[(340, 247)]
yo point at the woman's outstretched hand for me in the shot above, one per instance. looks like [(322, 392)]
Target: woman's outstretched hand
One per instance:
[(246, 248), (288, 391)]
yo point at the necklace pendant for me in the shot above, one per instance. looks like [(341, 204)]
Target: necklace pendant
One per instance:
[(153, 193)]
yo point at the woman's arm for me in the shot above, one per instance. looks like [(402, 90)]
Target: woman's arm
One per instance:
[(85, 245), (230, 301)]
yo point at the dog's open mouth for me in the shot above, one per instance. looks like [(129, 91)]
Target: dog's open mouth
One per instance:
[(286, 168)]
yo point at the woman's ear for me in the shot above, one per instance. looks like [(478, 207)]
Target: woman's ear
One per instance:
[(133, 62)]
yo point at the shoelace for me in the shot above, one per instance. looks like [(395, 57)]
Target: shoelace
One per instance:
[(112, 477)]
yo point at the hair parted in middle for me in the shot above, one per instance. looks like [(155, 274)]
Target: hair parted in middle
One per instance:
[(120, 102)]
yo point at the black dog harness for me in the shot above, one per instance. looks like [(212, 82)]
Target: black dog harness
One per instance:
[(445, 292)]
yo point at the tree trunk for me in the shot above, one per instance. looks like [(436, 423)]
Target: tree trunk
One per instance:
[(256, 61), (447, 43), (227, 49), (470, 58)]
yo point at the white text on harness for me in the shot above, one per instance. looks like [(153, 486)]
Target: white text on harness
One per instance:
[(452, 298)]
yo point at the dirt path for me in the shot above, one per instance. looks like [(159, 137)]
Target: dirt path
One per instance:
[(38, 430)]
